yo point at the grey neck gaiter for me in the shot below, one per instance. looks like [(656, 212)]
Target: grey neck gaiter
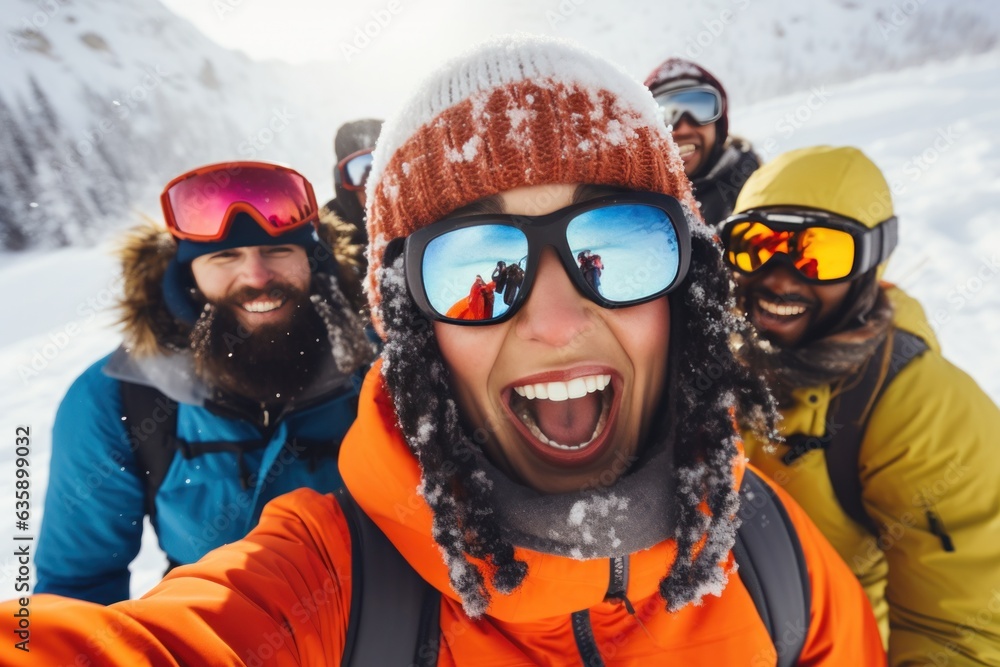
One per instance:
[(598, 521)]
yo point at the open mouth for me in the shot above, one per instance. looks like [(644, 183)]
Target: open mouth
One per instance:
[(565, 420), (780, 319), (778, 309), (263, 305)]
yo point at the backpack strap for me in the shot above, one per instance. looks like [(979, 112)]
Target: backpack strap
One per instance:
[(773, 568), (151, 424), (851, 411), (386, 593)]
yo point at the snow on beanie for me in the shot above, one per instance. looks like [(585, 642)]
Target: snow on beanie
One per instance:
[(516, 111)]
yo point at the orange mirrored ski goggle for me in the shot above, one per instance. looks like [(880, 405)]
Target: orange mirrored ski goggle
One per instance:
[(822, 247)]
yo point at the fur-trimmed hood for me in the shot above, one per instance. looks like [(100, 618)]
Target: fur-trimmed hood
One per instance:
[(148, 326)]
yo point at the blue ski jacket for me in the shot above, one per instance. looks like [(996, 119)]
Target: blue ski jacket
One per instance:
[(231, 455)]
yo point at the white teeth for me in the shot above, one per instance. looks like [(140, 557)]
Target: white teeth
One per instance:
[(785, 310), (561, 391), (262, 306), (684, 149), (576, 388), (557, 391)]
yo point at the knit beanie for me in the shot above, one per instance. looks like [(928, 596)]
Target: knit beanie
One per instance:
[(516, 112), (678, 73), (521, 111), (242, 233)]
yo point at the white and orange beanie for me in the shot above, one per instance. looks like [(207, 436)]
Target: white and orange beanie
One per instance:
[(516, 111)]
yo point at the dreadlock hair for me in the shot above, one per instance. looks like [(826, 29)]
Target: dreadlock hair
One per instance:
[(453, 485), (713, 391), (707, 389)]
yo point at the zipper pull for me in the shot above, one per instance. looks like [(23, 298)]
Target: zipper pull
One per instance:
[(266, 415), (631, 611)]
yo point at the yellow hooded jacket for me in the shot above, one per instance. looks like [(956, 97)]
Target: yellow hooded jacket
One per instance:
[(929, 455)]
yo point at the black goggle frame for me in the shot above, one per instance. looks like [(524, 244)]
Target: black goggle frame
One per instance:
[(541, 231)]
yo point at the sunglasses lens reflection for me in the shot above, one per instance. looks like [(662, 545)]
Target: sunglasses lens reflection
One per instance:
[(622, 252), (199, 204), (474, 273), (702, 105), (626, 252)]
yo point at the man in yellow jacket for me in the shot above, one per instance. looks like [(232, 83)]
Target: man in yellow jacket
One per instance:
[(889, 447)]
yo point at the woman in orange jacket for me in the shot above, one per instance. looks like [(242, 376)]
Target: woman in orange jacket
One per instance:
[(564, 476)]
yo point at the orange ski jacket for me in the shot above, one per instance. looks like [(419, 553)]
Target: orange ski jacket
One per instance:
[(281, 596)]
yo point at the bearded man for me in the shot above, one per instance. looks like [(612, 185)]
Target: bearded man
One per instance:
[(236, 381)]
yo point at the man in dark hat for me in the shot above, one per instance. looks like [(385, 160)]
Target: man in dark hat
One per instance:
[(696, 107), (352, 149)]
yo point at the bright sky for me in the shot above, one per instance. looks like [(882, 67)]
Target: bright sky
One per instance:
[(302, 30)]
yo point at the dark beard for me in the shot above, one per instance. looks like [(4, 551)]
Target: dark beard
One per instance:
[(851, 341), (272, 364)]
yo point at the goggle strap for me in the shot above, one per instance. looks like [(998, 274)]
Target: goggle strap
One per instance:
[(888, 238), (884, 237)]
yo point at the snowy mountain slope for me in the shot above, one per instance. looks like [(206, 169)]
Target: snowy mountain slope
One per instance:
[(102, 101), (947, 200), (758, 48)]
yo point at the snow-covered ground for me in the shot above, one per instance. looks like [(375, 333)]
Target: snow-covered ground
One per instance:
[(934, 130)]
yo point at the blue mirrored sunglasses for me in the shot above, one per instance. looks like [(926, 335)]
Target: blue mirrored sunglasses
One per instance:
[(618, 250)]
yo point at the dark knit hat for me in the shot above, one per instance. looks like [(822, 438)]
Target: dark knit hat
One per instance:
[(678, 73), (242, 233)]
